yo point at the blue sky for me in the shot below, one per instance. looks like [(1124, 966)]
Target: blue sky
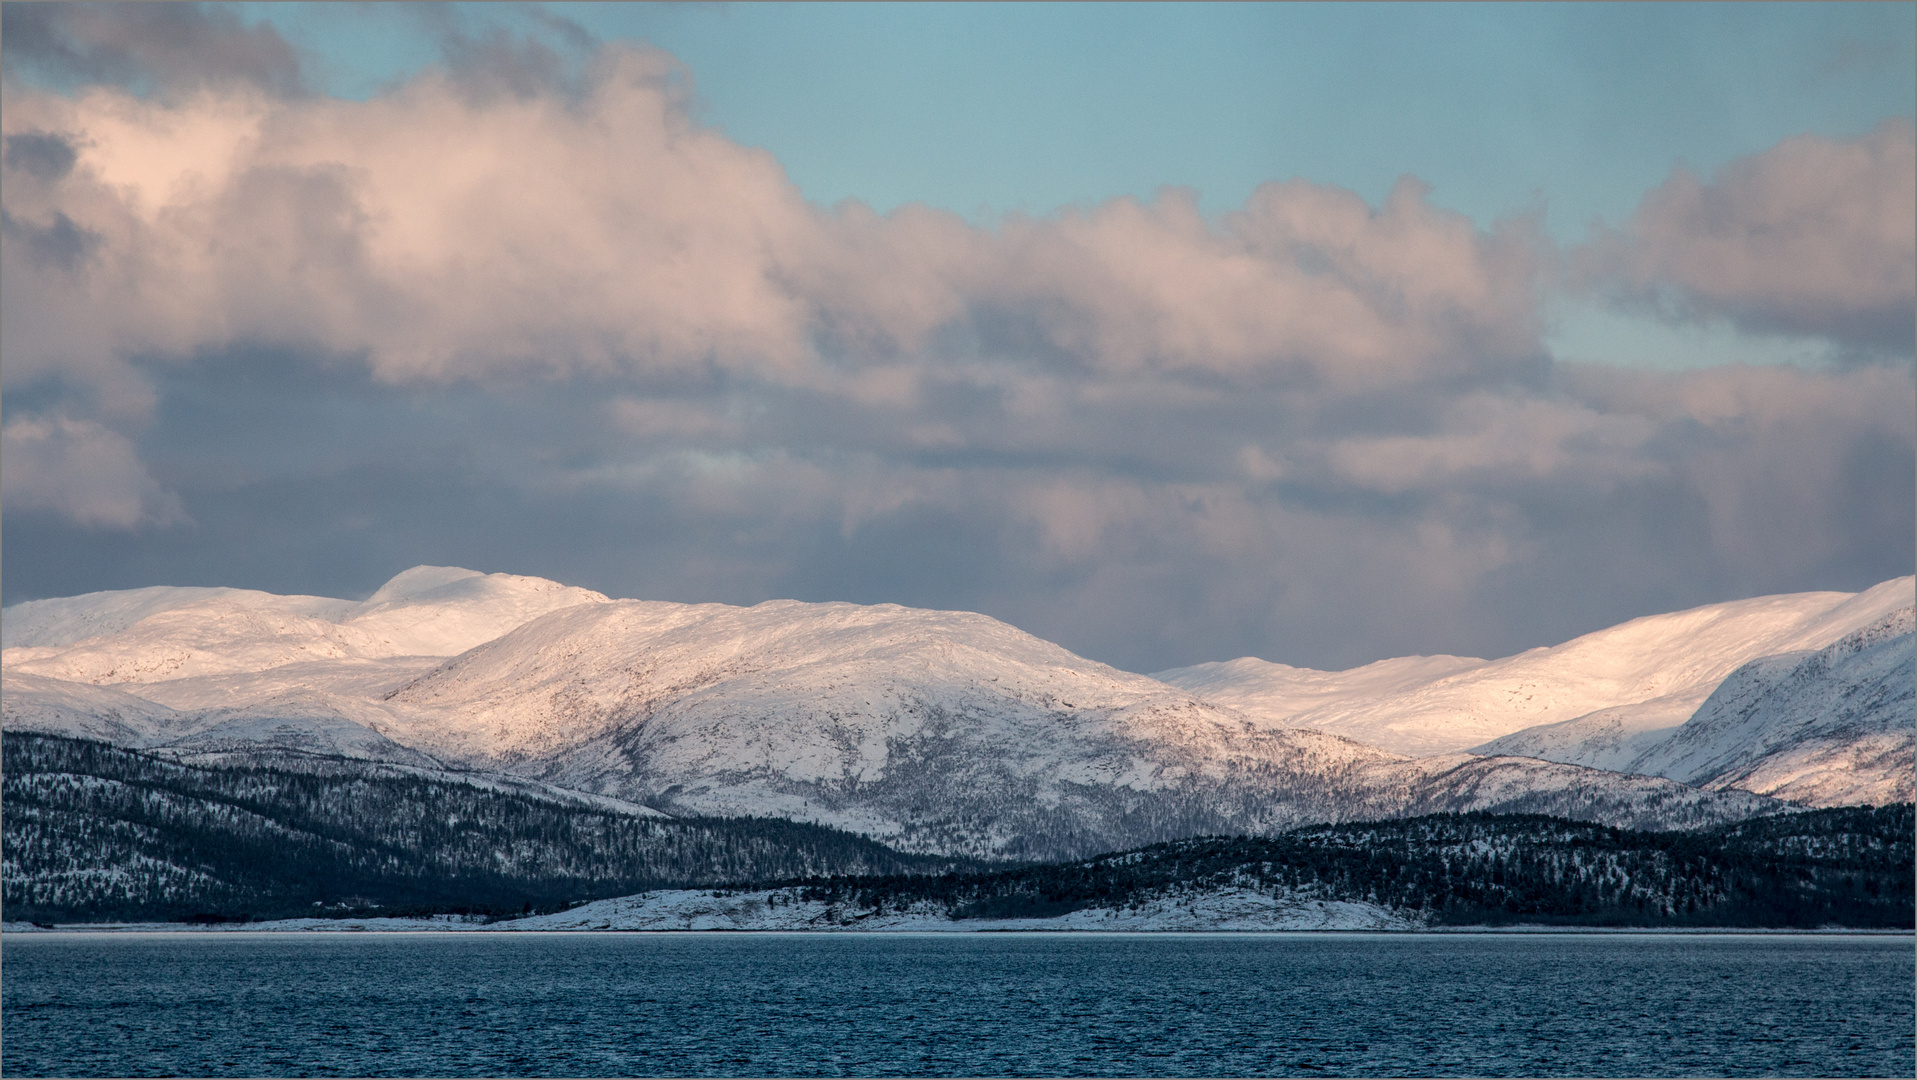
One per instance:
[(983, 109), (1171, 333)]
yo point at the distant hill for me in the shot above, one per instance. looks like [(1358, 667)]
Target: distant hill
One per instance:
[(96, 833), (93, 832), (1842, 867)]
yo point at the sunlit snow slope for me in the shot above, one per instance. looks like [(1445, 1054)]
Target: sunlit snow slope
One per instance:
[(162, 633), (1643, 675), (1827, 727)]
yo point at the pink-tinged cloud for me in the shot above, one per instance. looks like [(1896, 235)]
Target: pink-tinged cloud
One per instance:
[(1304, 280), (1813, 237), (82, 471), (444, 234), (571, 332)]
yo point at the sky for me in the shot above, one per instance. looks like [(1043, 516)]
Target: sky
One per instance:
[(1171, 333)]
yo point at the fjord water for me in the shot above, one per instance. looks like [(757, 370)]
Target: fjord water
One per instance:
[(977, 1004)]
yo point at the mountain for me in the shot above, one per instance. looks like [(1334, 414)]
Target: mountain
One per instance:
[(1642, 675), (933, 731), (937, 732), (1825, 727), (163, 633), (38, 703)]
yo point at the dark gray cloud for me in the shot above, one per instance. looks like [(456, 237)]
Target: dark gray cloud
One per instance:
[(46, 158), (1149, 551), (488, 62)]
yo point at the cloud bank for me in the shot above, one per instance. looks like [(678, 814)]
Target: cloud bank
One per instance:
[(442, 234), (544, 321)]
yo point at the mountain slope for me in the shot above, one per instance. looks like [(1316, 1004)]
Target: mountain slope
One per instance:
[(1835, 729), (57, 707), (1827, 727), (1646, 674), (92, 831), (935, 731)]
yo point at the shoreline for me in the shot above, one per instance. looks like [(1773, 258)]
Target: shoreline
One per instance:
[(458, 925)]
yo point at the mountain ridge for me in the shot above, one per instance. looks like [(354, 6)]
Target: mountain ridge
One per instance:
[(1647, 673), (1830, 726), (936, 732)]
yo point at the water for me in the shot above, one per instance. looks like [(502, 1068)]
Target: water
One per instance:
[(993, 1004)]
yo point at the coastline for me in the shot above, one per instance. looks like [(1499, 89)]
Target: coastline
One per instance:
[(457, 925)]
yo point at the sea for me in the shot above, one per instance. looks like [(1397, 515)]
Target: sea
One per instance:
[(1013, 1004)]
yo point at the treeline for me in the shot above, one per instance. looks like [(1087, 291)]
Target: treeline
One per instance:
[(1848, 867), (92, 832)]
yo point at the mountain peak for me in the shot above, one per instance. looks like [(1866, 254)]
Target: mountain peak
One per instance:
[(409, 584)]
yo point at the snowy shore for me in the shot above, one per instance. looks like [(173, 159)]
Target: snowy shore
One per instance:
[(787, 910), (784, 910)]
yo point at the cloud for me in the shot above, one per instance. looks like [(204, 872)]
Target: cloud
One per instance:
[(1304, 281), (1130, 533), (148, 46), (1814, 237), (444, 235), (437, 236), (81, 471), (548, 323), (44, 157), (1796, 471), (1501, 437)]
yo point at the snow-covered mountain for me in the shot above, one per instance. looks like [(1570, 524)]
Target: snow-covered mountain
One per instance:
[(31, 702), (933, 731), (166, 633), (1647, 674), (213, 670), (1826, 727), (936, 731)]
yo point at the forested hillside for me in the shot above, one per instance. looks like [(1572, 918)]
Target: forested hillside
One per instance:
[(94, 832), (1848, 867)]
